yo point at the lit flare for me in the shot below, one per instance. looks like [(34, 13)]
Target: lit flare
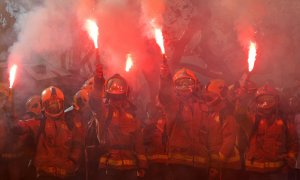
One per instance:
[(93, 30), (159, 38), (12, 75), (251, 56), (129, 63)]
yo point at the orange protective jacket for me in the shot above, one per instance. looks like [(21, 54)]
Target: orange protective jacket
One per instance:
[(122, 138), (272, 145), (12, 146), (222, 142), (59, 145), (187, 128), (155, 141)]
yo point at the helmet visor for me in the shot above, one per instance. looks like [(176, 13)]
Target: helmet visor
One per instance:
[(116, 86), (266, 102), (185, 85), (54, 106)]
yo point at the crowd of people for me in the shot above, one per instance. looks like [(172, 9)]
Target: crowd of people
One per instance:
[(190, 132)]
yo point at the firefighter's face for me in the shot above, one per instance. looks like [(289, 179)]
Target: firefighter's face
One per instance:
[(266, 104), (36, 108), (185, 86), (54, 107)]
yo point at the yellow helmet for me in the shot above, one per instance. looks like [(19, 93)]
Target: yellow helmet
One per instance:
[(80, 99), (53, 101), (185, 82), (34, 105)]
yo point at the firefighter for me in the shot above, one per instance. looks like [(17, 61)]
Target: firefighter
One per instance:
[(243, 97), (224, 155), (94, 87), (33, 108), (9, 158), (11, 147), (119, 133), (186, 127), (80, 107), (294, 104), (59, 144), (80, 113), (273, 143), (155, 142)]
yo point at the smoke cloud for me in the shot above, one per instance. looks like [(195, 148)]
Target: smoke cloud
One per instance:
[(223, 29)]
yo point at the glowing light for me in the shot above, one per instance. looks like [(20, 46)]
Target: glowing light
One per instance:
[(93, 30), (251, 56), (12, 75), (159, 38), (129, 63)]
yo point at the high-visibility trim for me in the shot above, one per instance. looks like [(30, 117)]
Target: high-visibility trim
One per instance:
[(264, 165), (142, 157), (12, 155), (187, 158), (54, 171), (158, 157), (111, 162), (291, 155), (231, 159)]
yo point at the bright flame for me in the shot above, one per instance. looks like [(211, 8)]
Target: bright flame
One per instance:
[(129, 63), (159, 39), (12, 75), (251, 56), (93, 30)]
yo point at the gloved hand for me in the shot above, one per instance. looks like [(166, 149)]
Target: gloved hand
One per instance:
[(140, 173), (213, 174), (291, 162)]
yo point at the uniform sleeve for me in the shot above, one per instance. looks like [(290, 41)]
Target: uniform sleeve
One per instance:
[(229, 132), (88, 85), (165, 94), (77, 144), (140, 149), (292, 142), (26, 127)]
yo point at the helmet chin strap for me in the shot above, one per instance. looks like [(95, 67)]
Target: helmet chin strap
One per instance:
[(54, 117)]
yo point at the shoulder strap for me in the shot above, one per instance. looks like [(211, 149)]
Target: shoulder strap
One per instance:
[(41, 127), (69, 119)]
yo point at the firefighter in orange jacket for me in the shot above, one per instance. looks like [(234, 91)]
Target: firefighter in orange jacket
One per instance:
[(119, 133), (155, 142), (59, 141), (94, 87), (273, 143), (10, 144), (186, 127), (224, 156), (33, 111)]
